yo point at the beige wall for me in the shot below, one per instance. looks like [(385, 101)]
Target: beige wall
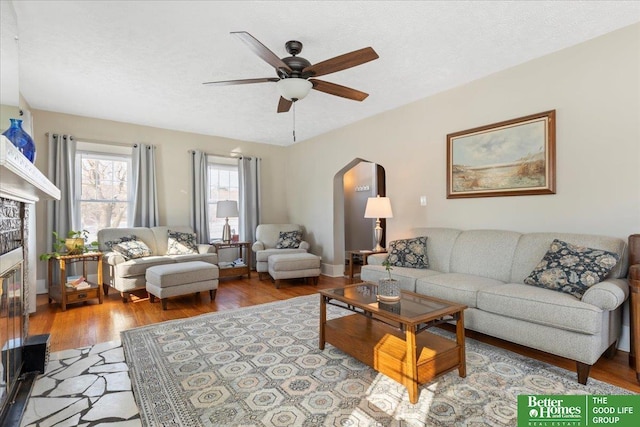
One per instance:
[(594, 88), (173, 162)]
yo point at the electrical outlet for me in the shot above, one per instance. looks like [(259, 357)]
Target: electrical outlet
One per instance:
[(423, 200)]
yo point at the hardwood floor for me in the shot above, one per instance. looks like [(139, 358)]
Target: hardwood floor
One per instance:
[(86, 324)]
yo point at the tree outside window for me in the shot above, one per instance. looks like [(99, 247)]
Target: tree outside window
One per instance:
[(104, 197)]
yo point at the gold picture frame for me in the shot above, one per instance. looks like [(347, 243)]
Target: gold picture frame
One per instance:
[(512, 158)]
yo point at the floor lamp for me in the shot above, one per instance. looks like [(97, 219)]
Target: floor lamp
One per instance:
[(226, 209), (378, 207)]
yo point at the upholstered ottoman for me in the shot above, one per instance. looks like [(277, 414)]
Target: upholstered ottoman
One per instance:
[(170, 280), (294, 266)]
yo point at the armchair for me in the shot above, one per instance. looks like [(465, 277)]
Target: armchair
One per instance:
[(267, 236)]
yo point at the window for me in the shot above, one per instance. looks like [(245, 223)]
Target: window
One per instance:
[(103, 192), (223, 185)]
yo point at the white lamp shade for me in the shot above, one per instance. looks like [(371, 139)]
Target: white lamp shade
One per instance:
[(294, 88), (227, 209), (378, 207)]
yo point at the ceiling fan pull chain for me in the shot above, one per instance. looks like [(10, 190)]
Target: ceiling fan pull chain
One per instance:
[(294, 122)]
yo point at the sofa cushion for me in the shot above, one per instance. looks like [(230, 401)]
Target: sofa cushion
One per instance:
[(541, 306), (486, 253), (132, 249), (179, 243), (571, 269), (138, 266), (211, 258), (263, 256), (455, 287), (409, 253), (439, 247), (289, 240), (405, 275)]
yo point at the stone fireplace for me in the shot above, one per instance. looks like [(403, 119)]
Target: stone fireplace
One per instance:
[(21, 186)]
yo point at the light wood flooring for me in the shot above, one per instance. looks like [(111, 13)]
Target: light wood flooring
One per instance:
[(90, 323)]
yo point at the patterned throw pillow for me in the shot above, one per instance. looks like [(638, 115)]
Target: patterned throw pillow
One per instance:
[(111, 243), (409, 253), (132, 249), (181, 243), (289, 240), (571, 269)]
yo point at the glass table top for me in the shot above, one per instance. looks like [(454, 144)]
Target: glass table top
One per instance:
[(410, 305)]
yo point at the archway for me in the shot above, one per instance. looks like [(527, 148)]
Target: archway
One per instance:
[(352, 186)]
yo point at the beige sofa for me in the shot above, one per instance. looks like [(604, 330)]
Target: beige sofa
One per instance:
[(486, 269), (129, 275), (267, 236)]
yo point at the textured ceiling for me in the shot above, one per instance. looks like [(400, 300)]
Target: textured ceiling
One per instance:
[(144, 62)]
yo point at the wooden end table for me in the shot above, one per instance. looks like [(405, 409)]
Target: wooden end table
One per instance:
[(64, 294), (392, 337), (244, 250), (351, 255)]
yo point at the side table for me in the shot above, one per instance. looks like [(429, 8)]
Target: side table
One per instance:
[(351, 255), (244, 250), (64, 294)]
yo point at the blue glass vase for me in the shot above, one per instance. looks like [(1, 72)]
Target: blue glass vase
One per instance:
[(21, 139)]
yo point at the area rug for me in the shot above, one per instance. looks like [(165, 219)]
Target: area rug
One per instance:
[(261, 366)]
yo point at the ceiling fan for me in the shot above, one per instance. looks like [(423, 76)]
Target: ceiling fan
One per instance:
[(295, 74)]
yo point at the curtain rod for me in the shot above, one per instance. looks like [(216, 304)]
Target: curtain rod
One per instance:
[(96, 141), (239, 156)]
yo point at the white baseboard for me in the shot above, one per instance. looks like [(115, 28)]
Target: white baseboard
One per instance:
[(624, 342), (41, 286), (332, 270)]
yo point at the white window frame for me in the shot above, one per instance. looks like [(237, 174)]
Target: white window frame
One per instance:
[(102, 152), (223, 163)]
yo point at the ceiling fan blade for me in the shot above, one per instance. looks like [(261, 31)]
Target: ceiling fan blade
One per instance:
[(342, 62), (242, 82), (262, 51), (284, 105), (338, 90)]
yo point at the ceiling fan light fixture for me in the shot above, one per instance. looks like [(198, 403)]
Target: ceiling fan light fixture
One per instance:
[(294, 88)]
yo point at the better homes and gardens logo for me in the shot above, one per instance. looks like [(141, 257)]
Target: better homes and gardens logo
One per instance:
[(578, 411)]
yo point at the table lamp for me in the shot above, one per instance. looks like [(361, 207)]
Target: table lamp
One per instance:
[(378, 207), (226, 209)]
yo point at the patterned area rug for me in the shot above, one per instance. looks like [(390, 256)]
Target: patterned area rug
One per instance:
[(261, 366)]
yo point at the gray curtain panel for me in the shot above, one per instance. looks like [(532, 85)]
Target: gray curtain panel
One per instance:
[(145, 193), (249, 206), (61, 214), (199, 209)]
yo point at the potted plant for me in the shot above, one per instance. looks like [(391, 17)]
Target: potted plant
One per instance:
[(73, 244), (388, 289)]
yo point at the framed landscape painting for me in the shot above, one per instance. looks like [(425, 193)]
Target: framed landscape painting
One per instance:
[(511, 158)]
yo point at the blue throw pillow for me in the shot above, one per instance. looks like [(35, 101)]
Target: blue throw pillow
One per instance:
[(409, 253), (572, 269)]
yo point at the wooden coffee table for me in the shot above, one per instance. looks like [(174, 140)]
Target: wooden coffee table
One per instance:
[(392, 337)]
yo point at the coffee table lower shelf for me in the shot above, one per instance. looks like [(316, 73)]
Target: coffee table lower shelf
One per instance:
[(384, 348)]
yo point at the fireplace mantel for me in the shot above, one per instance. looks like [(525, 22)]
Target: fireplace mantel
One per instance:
[(20, 179)]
